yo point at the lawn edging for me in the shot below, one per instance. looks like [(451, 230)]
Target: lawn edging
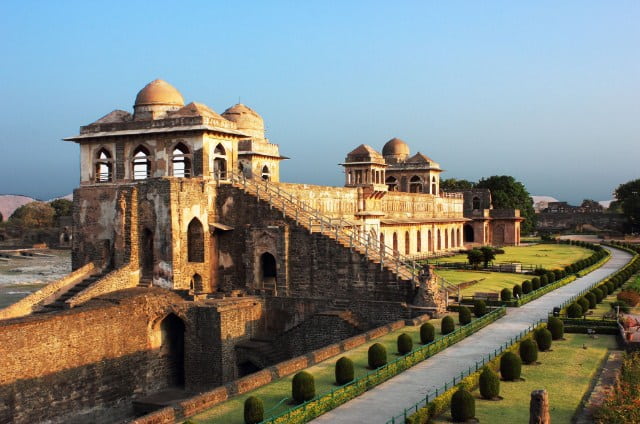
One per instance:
[(336, 397)]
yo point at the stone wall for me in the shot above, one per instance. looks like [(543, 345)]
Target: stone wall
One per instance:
[(576, 221)]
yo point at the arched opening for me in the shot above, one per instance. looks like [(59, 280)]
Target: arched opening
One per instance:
[(415, 184), (439, 240), (407, 243), (446, 239), (459, 242), (453, 238), (418, 242), (467, 231), (476, 202), (196, 283), (382, 249), (181, 161), (268, 270), (392, 183), (141, 163), (104, 166), (433, 185), (266, 174), (220, 162), (429, 241), (195, 241), (395, 243), (146, 252), (172, 349)]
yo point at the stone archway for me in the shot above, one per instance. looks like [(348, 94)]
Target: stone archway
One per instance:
[(468, 234), (146, 252), (268, 270), (172, 330)]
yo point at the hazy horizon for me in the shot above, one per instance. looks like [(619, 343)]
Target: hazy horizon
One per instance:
[(546, 92)]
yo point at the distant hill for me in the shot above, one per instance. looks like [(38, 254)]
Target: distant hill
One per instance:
[(11, 202)]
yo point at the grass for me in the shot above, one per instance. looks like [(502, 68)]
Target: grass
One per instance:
[(491, 281), (278, 391), (550, 256), (566, 373)]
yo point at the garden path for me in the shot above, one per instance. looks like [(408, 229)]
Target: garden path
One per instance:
[(379, 404)]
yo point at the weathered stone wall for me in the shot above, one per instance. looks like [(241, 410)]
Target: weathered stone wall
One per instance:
[(573, 221)]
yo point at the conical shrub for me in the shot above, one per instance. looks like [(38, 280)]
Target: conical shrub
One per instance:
[(510, 366), (463, 406), (464, 315), (405, 344), (556, 327), (447, 325), (479, 308), (528, 351), (344, 371), (253, 410), (303, 387), (489, 384), (427, 333), (377, 356), (543, 339)]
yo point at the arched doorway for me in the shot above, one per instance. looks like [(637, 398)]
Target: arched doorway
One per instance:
[(146, 252), (172, 349), (196, 283), (195, 241), (266, 174), (407, 243), (415, 184), (220, 162), (395, 243), (392, 183), (268, 270), (468, 234)]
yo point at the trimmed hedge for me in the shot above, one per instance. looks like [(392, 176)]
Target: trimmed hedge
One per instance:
[(479, 308), (526, 287), (505, 295), (510, 366), (464, 315), (584, 304), (463, 406), (405, 344), (344, 371), (574, 311), (528, 352), (253, 410), (303, 387), (535, 283), (593, 302), (447, 325), (377, 356), (427, 333), (489, 384), (517, 291), (543, 339), (556, 327)]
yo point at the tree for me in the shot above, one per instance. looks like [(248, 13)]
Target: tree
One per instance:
[(507, 193), (33, 215), (451, 184), (475, 257), (628, 195), (488, 254), (62, 207)]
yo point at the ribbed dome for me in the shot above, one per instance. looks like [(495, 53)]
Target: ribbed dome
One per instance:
[(395, 146), (159, 92), (246, 119)]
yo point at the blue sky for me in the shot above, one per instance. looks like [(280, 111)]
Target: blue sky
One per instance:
[(546, 91)]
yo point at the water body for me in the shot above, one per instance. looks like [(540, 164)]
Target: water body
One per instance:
[(20, 277)]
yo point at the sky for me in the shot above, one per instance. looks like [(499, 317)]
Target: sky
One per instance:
[(545, 91)]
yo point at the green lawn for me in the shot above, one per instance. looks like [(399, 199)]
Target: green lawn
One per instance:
[(566, 373), (491, 281), (550, 256), (271, 394)]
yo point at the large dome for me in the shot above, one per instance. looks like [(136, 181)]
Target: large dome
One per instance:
[(246, 119), (159, 92), (395, 146)]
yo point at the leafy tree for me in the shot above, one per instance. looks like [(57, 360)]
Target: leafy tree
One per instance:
[(488, 254), (451, 184), (475, 257), (1, 217), (33, 215), (62, 207), (507, 193), (628, 195)]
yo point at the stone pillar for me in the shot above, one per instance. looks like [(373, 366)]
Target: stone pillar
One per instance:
[(539, 407)]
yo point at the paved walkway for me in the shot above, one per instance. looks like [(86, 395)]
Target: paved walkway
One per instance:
[(382, 402)]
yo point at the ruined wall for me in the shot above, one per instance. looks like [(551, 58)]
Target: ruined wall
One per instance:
[(575, 221)]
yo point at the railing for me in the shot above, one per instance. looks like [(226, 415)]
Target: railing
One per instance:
[(401, 417), (344, 232)]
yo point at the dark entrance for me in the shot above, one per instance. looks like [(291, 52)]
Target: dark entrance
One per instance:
[(172, 349), (146, 252), (269, 271), (468, 234)]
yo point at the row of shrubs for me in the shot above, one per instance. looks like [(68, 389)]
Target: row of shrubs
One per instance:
[(303, 383), (509, 366)]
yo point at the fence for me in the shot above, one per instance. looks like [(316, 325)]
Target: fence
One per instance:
[(402, 417), (336, 397)]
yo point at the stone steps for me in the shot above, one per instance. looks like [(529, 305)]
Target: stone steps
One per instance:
[(59, 303)]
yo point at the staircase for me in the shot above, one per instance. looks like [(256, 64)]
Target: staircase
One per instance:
[(267, 351), (59, 302), (337, 229)]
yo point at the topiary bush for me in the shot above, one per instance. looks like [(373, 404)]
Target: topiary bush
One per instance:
[(556, 327), (447, 325), (427, 333), (599, 294), (574, 311), (528, 351), (591, 298), (535, 283), (510, 366), (604, 289), (405, 344), (464, 315), (377, 356), (253, 410), (517, 291), (526, 287), (505, 295), (303, 387), (489, 384), (543, 338), (544, 280), (551, 276), (344, 371), (463, 406), (584, 304), (479, 308), (611, 287)]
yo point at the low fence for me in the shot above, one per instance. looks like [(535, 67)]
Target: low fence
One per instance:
[(338, 396), (511, 267)]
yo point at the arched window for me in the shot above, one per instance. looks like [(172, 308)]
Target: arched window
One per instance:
[(195, 241), (446, 239), (433, 185), (429, 242), (392, 183), (141, 163), (407, 243), (395, 243), (418, 242), (476, 202), (181, 161), (220, 162), (453, 238), (382, 242), (269, 270), (439, 240), (196, 283), (104, 166), (266, 175), (415, 184)]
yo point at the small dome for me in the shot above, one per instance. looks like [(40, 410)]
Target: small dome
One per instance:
[(159, 92), (246, 119), (395, 146)]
